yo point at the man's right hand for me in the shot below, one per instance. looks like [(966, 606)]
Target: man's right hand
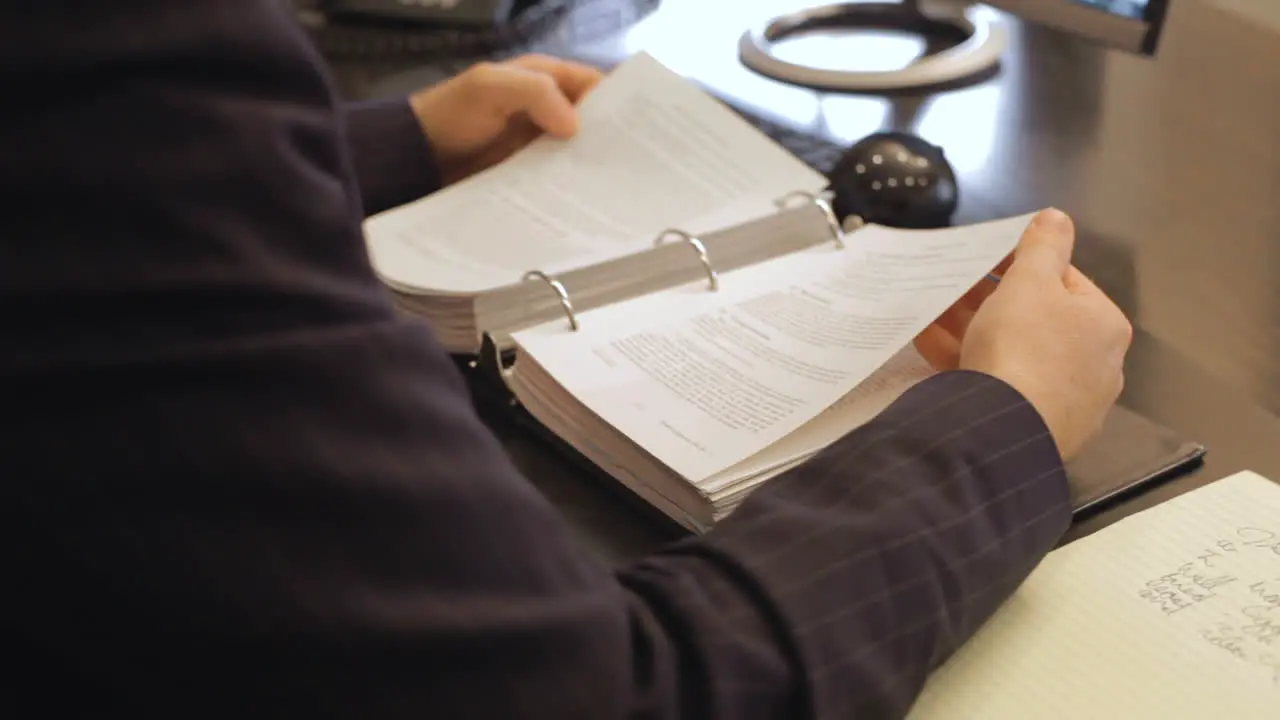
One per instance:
[(1049, 332)]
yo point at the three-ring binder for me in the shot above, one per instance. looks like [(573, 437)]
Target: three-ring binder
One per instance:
[(558, 287), (788, 201), (712, 277), (833, 223)]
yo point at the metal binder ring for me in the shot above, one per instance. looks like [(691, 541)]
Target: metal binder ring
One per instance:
[(559, 288), (837, 232), (698, 247)]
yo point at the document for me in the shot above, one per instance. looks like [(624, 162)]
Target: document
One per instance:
[(1173, 614), (653, 151), (703, 380)]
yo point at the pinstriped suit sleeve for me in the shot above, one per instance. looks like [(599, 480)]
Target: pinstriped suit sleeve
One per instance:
[(242, 486), (881, 556)]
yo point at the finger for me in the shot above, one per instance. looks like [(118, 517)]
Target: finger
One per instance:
[(939, 348), (969, 303), (574, 79), (512, 91), (978, 294), (955, 321), (1046, 246)]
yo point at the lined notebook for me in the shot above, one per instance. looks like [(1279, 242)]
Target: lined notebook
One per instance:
[(1173, 613)]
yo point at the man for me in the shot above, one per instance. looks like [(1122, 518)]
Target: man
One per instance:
[(237, 485)]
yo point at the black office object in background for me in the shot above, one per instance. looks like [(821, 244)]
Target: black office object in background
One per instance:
[(444, 31), (454, 13)]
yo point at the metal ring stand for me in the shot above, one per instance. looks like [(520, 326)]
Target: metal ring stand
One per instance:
[(980, 52)]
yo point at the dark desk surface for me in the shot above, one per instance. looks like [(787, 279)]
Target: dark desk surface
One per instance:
[(1171, 168)]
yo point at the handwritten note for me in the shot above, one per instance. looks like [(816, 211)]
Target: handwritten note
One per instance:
[(1235, 584), (1172, 613)]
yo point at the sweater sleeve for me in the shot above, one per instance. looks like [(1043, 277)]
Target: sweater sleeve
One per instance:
[(390, 154)]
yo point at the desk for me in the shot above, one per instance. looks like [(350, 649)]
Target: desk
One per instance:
[(1170, 167)]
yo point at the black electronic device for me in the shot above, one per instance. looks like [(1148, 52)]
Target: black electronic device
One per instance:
[(895, 179), (448, 32), (452, 13), (429, 30)]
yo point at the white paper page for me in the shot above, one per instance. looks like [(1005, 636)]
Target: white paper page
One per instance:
[(653, 151), (859, 407), (1172, 614), (702, 380)]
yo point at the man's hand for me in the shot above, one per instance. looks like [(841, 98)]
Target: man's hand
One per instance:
[(483, 115), (1046, 329)]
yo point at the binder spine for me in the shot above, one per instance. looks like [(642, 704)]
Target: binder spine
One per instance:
[(566, 301), (713, 278), (493, 366), (838, 230)]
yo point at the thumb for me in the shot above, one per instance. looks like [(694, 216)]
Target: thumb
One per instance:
[(1046, 245)]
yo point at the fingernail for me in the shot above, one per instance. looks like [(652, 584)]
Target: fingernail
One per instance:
[(1052, 219)]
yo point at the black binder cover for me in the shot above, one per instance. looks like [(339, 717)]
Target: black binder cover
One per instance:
[(1129, 454)]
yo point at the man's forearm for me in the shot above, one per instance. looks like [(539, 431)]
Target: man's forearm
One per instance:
[(390, 154)]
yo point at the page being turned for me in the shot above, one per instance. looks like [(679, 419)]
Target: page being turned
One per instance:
[(703, 380), (868, 399), (652, 151)]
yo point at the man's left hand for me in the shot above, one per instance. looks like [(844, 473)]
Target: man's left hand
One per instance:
[(482, 116)]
